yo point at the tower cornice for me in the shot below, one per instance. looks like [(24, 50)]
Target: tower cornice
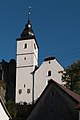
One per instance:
[(28, 38)]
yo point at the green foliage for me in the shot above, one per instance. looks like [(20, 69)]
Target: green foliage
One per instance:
[(12, 109), (71, 75), (23, 111), (17, 111), (3, 84)]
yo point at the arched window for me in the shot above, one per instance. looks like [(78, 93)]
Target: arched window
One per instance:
[(25, 45), (49, 73), (25, 58), (24, 85)]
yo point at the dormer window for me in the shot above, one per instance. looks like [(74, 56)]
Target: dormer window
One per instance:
[(25, 45)]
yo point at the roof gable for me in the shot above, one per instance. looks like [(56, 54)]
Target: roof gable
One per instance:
[(55, 101)]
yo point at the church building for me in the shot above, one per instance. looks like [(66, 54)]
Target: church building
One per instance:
[(31, 79)]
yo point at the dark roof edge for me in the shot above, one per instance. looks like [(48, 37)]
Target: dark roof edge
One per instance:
[(52, 58), (72, 94), (49, 58)]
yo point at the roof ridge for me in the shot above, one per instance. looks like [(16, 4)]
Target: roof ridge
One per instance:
[(68, 91)]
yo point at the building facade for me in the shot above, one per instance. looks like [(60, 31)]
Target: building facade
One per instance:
[(31, 80), (49, 69)]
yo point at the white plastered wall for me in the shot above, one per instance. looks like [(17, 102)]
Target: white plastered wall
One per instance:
[(42, 78), (27, 59), (24, 82), (3, 115)]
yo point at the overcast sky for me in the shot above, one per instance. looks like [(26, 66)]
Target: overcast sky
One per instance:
[(56, 24)]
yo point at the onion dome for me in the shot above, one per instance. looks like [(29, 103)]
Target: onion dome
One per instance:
[(28, 32)]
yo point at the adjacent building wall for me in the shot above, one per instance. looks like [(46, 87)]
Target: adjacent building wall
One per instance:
[(49, 69), (3, 115)]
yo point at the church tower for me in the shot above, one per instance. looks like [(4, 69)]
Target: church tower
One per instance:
[(27, 60)]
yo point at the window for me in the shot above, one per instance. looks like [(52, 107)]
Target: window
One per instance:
[(28, 91), (49, 62), (25, 58), (49, 73), (52, 93), (25, 45), (24, 85), (20, 91), (34, 46)]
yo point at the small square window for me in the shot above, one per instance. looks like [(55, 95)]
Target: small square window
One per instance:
[(28, 91), (20, 91)]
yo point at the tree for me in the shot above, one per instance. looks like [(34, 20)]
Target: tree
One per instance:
[(17, 111), (11, 106), (71, 77)]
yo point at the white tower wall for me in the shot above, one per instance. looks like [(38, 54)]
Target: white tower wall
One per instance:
[(27, 59)]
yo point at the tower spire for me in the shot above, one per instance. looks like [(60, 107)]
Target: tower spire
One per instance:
[(28, 32), (29, 13), (29, 10)]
